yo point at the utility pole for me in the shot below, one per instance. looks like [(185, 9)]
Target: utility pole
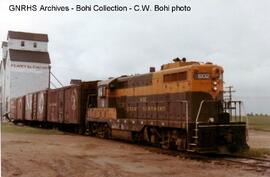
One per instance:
[(229, 91), (231, 105)]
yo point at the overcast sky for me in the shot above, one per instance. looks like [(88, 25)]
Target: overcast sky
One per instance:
[(92, 45)]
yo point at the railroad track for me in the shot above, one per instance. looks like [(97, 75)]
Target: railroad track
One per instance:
[(248, 163)]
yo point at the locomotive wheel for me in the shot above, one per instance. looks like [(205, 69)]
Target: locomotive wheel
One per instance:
[(81, 131), (107, 131)]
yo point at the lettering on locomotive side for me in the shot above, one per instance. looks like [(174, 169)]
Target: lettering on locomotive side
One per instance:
[(143, 99), (152, 108), (131, 109), (147, 108), (161, 108)]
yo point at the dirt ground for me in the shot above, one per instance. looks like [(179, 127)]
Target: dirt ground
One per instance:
[(259, 139), (37, 155)]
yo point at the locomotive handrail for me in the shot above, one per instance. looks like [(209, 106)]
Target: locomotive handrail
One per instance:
[(197, 117), (200, 108), (186, 103), (232, 107), (199, 111)]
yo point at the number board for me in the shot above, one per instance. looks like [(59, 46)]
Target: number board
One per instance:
[(202, 76)]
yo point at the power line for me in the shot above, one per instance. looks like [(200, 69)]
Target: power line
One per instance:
[(53, 84), (56, 79)]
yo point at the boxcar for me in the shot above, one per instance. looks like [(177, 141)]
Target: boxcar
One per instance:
[(67, 105)]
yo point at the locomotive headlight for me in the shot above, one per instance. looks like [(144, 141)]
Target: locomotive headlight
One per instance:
[(214, 88), (215, 83)]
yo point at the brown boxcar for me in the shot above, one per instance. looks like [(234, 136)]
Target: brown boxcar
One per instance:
[(13, 108), (76, 104), (68, 104), (20, 108), (41, 105), (29, 106)]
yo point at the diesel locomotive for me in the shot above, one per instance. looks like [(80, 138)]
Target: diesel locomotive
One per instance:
[(181, 107)]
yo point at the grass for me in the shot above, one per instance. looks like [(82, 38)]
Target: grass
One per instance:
[(258, 122), (21, 129), (255, 152), (261, 123)]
